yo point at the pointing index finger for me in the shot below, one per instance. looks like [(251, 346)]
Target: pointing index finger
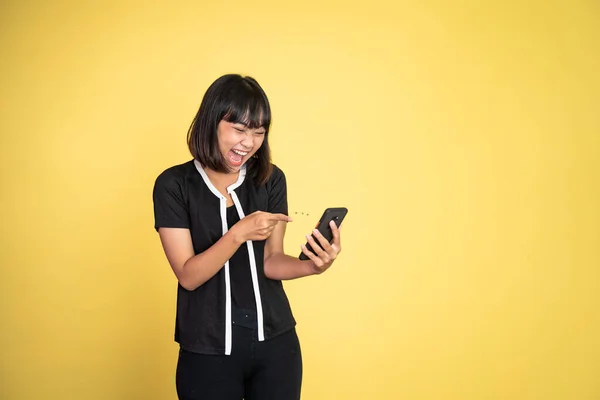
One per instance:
[(281, 217)]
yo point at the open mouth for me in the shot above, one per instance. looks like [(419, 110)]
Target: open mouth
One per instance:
[(236, 157)]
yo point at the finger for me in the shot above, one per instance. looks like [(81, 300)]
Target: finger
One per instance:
[(316, 260), (317, 249), (281, 217), (336, 234), (268, 230), (274, 222), (322, 241), (269, 223), (262, 233)]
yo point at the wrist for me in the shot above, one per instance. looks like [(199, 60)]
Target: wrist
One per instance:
[(235, 235), (310, 268)]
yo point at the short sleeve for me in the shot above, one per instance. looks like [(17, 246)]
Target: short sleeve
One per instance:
[(277, 190), (170, 207)]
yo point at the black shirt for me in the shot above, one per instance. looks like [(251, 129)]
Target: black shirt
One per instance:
[(241, 280), (184, 197)]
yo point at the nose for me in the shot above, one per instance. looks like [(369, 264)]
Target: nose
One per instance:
[(248, 140)]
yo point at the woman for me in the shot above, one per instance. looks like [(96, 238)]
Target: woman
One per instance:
[(221, 218)]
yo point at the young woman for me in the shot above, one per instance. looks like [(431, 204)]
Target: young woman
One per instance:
[(221, 218)]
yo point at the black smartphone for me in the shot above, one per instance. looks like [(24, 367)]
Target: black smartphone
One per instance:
[(336, 214)]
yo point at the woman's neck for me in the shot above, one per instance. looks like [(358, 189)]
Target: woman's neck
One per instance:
[(220, 179)]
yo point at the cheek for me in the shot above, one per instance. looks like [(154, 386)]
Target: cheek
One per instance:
[(226, 142)]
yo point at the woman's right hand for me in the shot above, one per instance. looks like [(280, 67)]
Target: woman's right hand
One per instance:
[(257, 226)]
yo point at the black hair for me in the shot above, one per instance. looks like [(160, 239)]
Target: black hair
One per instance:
[(237, 99)]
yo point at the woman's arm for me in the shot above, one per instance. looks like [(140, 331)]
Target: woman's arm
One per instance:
[(193, 270), (280, 266)]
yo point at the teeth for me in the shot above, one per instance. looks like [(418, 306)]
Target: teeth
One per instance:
[(241, 153)]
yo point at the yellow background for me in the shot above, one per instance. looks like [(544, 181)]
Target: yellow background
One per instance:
[(464, 137)]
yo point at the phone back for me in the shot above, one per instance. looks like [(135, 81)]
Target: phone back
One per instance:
[(336, 214)]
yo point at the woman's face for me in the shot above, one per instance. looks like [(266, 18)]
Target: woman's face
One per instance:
[(238, 143)]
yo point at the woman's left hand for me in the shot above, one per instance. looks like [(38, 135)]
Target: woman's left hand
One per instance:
[(324, 253)]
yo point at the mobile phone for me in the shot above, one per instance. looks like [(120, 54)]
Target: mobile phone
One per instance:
[(336, 214)]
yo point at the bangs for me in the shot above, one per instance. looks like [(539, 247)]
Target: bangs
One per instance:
[(247, 105)]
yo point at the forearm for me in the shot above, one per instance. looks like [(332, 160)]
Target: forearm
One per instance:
[(200, 268), (280, 266)]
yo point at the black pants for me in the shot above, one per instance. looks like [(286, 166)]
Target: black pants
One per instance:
[(268, 370)]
